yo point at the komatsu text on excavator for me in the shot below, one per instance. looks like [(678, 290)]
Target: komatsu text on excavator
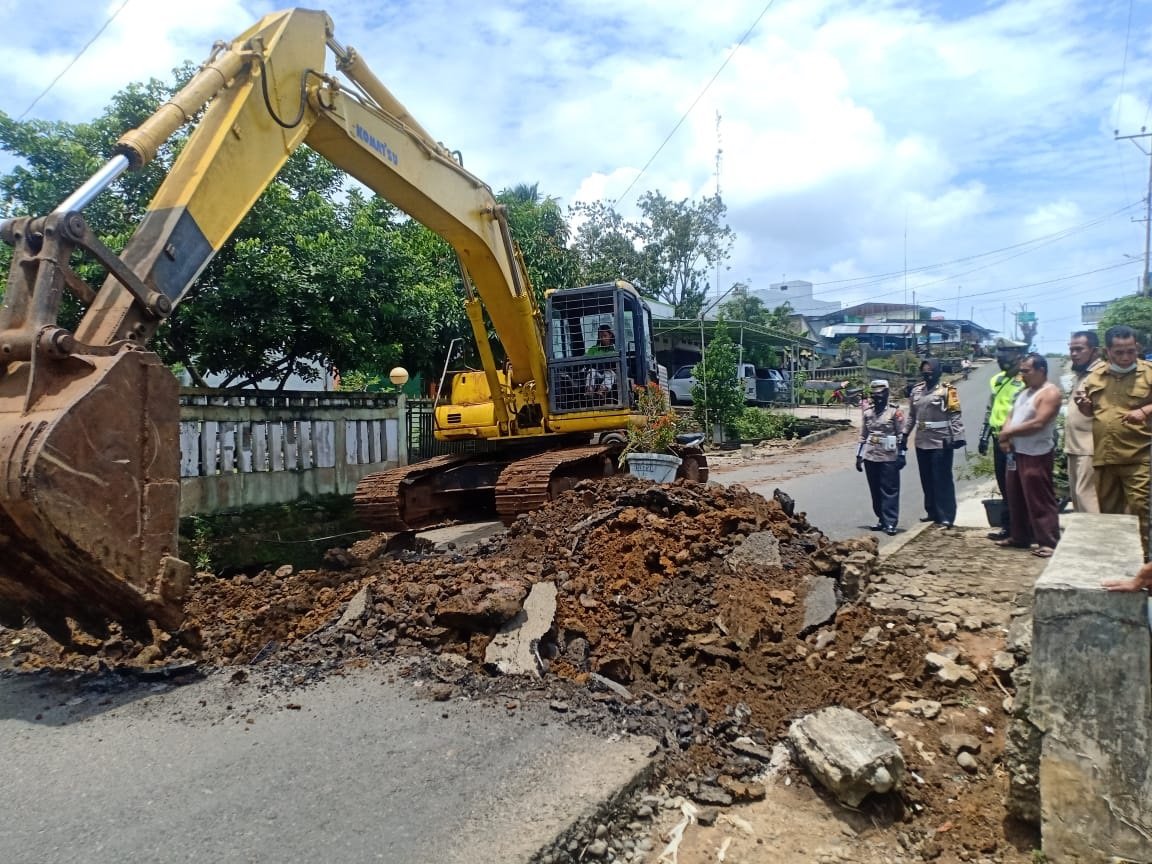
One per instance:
[(89, 419)]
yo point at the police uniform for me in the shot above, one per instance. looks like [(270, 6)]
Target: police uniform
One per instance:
[(880, 450), (1005, 388), (934, 416)]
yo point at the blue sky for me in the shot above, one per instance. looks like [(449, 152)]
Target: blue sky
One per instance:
[(853, 134)]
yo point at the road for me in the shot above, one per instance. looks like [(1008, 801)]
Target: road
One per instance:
[(353, 769), (824, 482)]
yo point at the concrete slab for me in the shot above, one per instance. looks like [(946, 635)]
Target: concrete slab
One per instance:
[(352, 769), (463, 535), (847, 753), (513, 649), (1092, 696)]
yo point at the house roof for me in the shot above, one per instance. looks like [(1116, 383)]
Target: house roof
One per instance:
[(835, 330), (752, 334)]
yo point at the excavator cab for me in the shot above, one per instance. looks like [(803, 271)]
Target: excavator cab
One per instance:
[(599, 348)]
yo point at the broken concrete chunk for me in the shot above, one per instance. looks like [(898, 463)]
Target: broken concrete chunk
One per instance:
[(949, 671), (968, 762), (740, 790), (953, 743), (714, 795), (513, 649), (946, 629), (819, 602), (478, 607), (599, 682), (847, 753), (357, 607), (748, 747), (1003, 661), (761, 549)]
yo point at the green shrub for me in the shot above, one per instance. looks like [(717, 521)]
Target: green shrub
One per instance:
[(756, 424)]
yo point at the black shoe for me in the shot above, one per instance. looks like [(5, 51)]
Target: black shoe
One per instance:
[(879, 526), (998, 535), (927, 519), (943, 525), (890, 530)]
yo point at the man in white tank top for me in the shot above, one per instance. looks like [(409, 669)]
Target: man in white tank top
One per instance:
[(1029, 440)]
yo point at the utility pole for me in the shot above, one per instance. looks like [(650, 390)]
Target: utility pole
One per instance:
[(1145, 285)]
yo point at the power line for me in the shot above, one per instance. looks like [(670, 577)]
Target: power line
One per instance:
[(72, 62), (699, 96), (880, 278)]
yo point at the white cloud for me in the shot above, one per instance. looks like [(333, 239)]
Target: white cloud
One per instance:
[(847, 125)]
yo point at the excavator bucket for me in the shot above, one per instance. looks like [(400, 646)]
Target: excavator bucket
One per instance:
[(89, 495)]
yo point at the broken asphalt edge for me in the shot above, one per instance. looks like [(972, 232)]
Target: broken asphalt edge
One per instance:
[(610, 803), (820, 436)]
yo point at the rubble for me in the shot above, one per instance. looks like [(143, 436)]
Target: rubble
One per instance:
[(847, 753), (680, 613)]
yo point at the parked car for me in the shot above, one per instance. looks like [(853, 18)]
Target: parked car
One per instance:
[(760, 385)]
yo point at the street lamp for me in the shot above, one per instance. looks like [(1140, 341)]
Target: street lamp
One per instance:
[(398, 376)]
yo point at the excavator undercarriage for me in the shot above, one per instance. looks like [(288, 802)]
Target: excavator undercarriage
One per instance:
[(89, 418)]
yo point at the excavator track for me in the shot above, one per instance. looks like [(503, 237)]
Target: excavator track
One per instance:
[(397, 500), (528, 484)]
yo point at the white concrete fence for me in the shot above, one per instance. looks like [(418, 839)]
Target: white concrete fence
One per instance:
[(259, 447)]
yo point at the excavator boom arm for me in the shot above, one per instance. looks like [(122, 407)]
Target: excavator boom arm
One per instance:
[(89, 473)]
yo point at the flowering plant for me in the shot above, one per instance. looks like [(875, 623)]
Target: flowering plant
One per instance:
[(652, 429)]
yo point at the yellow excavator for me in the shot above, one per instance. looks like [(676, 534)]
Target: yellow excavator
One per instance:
[(89, 419)]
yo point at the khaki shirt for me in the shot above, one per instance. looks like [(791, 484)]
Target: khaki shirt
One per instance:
[(1114, 441), (880, 434), (1077, 427), (934, 414)]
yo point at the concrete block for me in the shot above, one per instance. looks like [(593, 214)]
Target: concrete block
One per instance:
[(1092, 696), (847, 753), (820, 603), (761, 549), (513, 649)]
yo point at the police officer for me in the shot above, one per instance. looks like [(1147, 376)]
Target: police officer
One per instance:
[(1006, 384), (934, 414), (880, 456)]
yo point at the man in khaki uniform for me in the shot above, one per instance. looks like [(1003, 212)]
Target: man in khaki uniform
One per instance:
[(934, 414), (1084, 349), (1118, 398)]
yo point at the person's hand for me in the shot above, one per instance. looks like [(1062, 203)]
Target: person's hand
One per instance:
[(1136, 417), (901, 461), (1141, 581), (959, 444), (982, 447), (859, 464), (1005, 445)]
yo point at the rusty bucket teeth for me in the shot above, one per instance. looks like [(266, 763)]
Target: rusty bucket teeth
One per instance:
[(89, 496)]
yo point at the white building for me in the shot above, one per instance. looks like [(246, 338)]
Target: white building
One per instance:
[(798, 295)]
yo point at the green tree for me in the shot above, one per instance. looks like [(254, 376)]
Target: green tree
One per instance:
[(718, 396), (605, 245), (683, 242), (1135, 312), (669, 251)]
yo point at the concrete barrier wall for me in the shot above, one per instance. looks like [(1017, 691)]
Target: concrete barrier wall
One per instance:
[(1092, 697), (262, 448)]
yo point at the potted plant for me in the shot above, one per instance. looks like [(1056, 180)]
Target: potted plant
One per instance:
[(651, 432)]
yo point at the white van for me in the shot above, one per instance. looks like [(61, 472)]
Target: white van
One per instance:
[(682, 381)]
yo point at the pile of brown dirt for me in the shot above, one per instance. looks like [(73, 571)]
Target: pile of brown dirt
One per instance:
[(710, 647)]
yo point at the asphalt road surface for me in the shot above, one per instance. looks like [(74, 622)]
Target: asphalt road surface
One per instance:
[(824, 482), (357, 771)]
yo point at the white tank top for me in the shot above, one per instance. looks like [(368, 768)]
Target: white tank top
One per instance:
[(1041, 441)]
